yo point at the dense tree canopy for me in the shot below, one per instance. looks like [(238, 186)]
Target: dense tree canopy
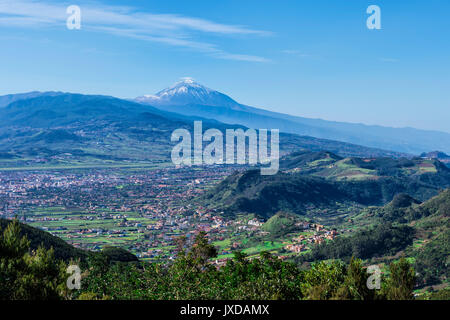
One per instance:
[(28, 274)]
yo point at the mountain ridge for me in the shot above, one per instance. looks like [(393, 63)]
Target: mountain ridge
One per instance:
[(321, 184), (105, 126), (183, 98)]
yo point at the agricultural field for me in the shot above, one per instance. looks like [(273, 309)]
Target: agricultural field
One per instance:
[(138, 209)]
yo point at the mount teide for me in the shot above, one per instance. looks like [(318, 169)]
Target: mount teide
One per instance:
[(190, 98), (44, 125)]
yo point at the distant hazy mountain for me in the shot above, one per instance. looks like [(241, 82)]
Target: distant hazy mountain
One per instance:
[(103, 127), (49, 109), (10, 98), (190, 98), (436, 155), (439, 155)]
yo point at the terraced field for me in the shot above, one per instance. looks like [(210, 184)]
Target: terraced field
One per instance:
[(91, 229)]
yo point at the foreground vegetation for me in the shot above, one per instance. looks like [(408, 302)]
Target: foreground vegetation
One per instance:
[(33, 263), (37, 274), (191, 276)]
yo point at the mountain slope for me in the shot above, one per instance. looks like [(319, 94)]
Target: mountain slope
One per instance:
[(322, 184), (84, 125), (189, 92), (10, 98), (441, 156), (329, 165), (62, 249), (428, 237), (190, 98), (66, 109), (101, 127)]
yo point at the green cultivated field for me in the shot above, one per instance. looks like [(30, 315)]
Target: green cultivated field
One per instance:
[(70, 220)]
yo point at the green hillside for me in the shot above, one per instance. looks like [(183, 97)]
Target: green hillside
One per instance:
[(63, 250), (323, 184), (420, 231), (280, 224), (37, 237), (331, 166)]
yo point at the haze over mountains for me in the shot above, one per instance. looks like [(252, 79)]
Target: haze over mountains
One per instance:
[(103, 127), (98, 128), (191, 98)]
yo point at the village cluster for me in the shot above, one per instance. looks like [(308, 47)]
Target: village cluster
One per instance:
[(143, 211)]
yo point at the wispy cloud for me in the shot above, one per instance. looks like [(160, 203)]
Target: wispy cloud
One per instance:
[(170, 29)]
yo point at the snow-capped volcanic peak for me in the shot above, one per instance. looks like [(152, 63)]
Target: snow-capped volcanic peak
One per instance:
[(186, 92), (186, 87)]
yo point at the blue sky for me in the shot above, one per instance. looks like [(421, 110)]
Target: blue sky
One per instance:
[(308, 58)]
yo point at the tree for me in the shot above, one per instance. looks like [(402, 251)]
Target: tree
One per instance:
[(25, 274), (322, 280), (354, 286), (201, 251), (401, 282)]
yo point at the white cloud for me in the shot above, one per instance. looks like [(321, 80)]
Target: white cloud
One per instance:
[(170, 29), (241, 57)]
